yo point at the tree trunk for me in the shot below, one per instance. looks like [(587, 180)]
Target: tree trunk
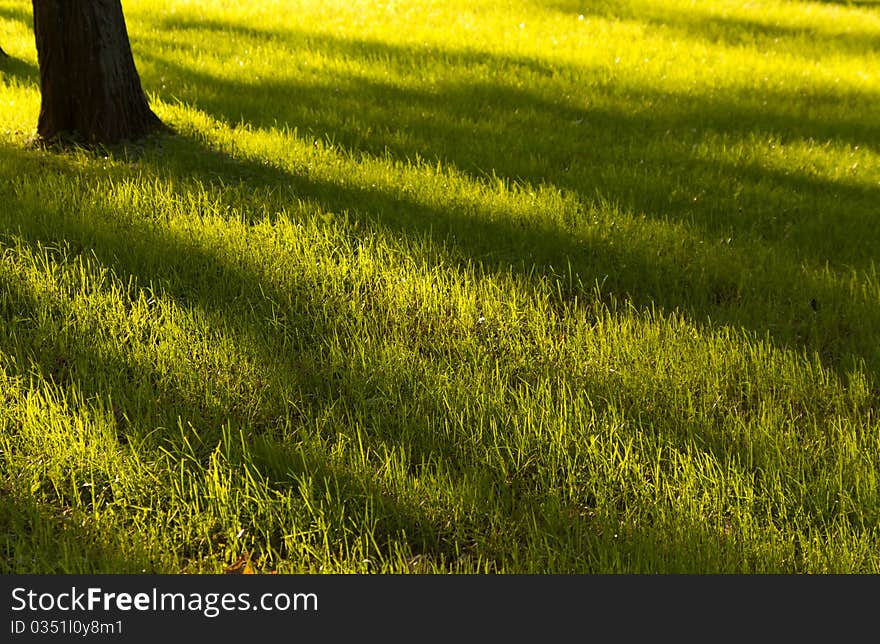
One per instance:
[(89, 84)]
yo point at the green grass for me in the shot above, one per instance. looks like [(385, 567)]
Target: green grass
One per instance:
[(506, 286)]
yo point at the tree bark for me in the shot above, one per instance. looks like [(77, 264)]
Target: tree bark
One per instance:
[(89, 84)]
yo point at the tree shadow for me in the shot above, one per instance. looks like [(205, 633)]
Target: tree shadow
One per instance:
[(147, 403), (38, 538), (766, 37), (867, 4), (638, 152), (20, 70), (195, 276), (642, 159), (12, 66), (17, 14), (8, 63), (733, 32)]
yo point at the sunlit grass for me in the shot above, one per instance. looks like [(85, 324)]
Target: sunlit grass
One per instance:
[(443, 286)]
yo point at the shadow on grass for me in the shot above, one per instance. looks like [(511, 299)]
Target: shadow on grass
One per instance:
[(640, 155), (732, 32), (19, 70), (147, 403), (9, 64), (195, 277), (637, 149), (17, 14), (868, 4), (367, 117), (38, 538)]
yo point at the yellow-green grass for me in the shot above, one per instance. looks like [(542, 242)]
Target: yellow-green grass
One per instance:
[(451, 286)]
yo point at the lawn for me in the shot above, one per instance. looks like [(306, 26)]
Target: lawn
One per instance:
[(513, 286)]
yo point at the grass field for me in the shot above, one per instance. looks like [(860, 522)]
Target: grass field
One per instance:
[(441, 286)]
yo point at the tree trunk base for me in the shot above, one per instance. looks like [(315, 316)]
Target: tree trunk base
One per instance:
[(90, 87)]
